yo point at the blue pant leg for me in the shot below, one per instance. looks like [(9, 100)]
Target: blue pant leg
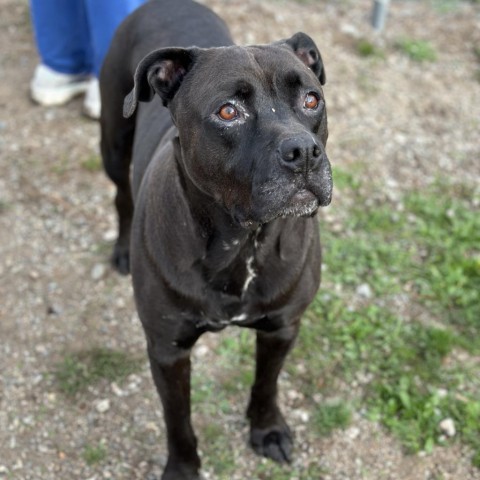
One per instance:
[(104, 16), (62, 36)]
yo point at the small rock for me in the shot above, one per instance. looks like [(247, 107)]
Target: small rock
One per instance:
[(103, 405), (201, 351), (41, 349), (117, 390), (364, 291), (442, 392), (302, 415), (292, 394), (350, 29), (353, 433), (98, 271), (447, 426), (120, 302), (110, 235), (53, 310), (34, 275)]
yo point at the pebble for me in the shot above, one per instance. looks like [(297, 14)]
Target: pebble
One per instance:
[(117, 390), (352, 433), (364, 290), (103, 405), (98, 271), (34, 275), (301, 414), (201, 351), (110, 235), (442, 392), (447, 426), (350, 29), (53, 310)]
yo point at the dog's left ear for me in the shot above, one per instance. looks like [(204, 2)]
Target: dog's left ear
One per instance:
[(306, 50), (161, 72)]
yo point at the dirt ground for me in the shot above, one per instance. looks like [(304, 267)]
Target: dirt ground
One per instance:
[(404, 122)]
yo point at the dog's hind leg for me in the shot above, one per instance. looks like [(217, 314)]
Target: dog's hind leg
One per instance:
[(116, 154), (116, 146), (270, 435)]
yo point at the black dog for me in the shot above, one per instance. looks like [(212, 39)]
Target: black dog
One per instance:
[(226, 184)]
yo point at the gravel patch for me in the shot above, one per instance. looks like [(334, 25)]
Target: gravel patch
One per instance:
[(403, 123)]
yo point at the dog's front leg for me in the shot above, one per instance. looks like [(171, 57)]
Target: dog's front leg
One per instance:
[(270, 435), (172, 378)]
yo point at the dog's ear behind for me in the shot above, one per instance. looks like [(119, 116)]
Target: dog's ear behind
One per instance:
[(160, 72), (305, 49)]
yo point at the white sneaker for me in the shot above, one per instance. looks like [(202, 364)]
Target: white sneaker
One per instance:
[(92, 104), (49, 87)]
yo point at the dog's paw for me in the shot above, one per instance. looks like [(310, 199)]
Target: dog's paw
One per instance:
[(121, 260), (275, 442)]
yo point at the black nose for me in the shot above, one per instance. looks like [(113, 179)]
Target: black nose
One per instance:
[(300, 153)]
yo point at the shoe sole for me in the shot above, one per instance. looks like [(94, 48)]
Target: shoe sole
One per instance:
[(49, 97)]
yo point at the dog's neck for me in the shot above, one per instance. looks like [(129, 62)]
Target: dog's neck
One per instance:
[(229, 258)]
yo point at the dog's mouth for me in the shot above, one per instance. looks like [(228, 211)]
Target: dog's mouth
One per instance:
[(286, 197), (303, 203)]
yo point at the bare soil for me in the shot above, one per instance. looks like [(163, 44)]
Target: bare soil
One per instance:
[(402, 122)]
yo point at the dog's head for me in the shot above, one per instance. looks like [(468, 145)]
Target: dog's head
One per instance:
[(252, 123)]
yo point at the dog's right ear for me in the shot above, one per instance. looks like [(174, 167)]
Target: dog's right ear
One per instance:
[(160, 72)]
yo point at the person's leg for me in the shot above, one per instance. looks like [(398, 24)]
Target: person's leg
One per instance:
[(62, 37), (103, 19)]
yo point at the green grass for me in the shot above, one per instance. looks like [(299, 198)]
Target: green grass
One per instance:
[(219, 452), (329, 417), (366, 48), (428, 254), (417, 50), (79, 370), (92, 164), (214, 398), (93, 454), (4, 206)]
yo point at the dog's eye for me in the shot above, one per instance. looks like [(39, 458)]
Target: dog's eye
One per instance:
[(311, 101), (228, 112)]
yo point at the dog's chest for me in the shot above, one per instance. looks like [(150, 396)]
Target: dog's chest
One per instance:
[(236, 263), (232, 275)]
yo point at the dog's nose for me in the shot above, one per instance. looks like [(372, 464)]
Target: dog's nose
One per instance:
[(300, 153)]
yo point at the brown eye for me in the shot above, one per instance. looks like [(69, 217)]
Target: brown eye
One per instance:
[(228, 112), (311, 101)]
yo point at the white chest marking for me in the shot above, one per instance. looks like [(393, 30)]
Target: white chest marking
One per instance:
[(251, 274), (239, 318)]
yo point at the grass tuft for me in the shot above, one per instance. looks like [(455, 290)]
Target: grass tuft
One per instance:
[(327, 417), (93, 454), (418, 50), (366, 48), (92, 164), (78, 371)]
